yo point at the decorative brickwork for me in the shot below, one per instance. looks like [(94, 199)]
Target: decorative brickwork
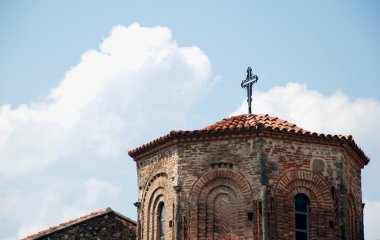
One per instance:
[(317, 189), (157, 191), (238, 179), (219, 202)]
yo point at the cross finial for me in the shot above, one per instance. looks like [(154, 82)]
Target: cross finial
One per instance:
[(248, 83)]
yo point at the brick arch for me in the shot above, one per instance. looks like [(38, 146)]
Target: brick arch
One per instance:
[(234, 175), (317, 189), (153, 212), (158, 189), (352, 218), (308, 181), (225, 186), (151, 180)]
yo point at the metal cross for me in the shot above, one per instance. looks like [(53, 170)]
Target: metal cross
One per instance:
[(248, 83)]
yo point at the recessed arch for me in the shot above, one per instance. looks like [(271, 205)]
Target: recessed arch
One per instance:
[(161, 176), (351, 217), (315, 187), (226, 187), (157, 191)]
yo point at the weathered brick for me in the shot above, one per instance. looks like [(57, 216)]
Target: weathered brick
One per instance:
[(243, 185)]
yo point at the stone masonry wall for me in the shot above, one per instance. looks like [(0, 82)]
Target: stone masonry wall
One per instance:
[(157, 175), (352, 201), (310, 168), (220, 173), (244, 188), (105, 227), (286, 166)]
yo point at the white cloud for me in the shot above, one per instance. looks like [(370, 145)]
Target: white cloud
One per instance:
[(139, 82), (371, 216), (50, 204), (311, 110), (96, 190), (138, 75), (333, 114)]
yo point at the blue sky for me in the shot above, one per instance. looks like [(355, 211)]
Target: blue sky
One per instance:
[(76, 92)]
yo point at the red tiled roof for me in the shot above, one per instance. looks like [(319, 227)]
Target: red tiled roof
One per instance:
[(74, 221), (247, 123)]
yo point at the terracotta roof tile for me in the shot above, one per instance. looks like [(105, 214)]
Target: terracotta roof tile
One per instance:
[(252, 121), (73, 221), (244, 123)]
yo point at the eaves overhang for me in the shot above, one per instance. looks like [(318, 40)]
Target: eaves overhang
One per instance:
[(243, 126)]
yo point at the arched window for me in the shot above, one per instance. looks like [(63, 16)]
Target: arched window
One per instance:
[(301, 206), (161, 221)]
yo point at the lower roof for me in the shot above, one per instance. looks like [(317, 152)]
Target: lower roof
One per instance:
[(75, 221)]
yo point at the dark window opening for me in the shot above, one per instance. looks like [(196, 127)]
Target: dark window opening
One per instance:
[(301, 206), (331, 224), (250, 216), (161, 221)]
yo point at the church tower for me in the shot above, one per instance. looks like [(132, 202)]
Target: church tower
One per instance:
[(250, 176)]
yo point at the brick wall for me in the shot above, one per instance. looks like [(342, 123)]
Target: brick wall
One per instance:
[(353, 225), (243, 187), (311, 168), (157, 174), (220, 180)]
